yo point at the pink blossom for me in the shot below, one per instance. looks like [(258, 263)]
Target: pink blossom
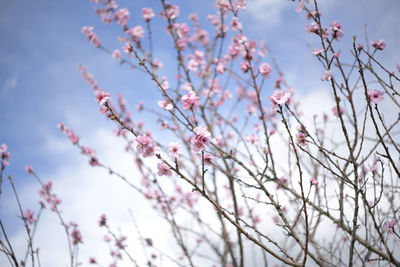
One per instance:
[(375, 96), (92, 260), (265, 70), (164, 169), (300, 6), (127, 48), (244, 66), (335, 110), (172, 11), (102, 220), (239, 4), (280, 97), (175, 150), (398, 67), (390, 225), (146, 146), (252, 139), (327, 75), (76, 234), (202, 130), (165, 84), (193, 65), (73, 137), (336, 30), (313, 28), (190, 100), (301, 135), (147, 14), (90, 35), (360, 47), (314, 181), (236, 25), (200, 141), (119, 243), (165, 104), (54, 201), (182, 30), (317, 52), (208, 159), (29, 169), (136, 33), (29, 216), (220, 67), (101, 96), (116, 54), (121, 16), (284, 182), (263, 49), (378, 44), (5, 156)]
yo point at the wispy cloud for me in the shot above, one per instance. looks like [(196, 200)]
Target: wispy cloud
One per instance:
[(269, 12), (8, 85)]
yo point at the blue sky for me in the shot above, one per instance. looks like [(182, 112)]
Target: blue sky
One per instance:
[(40, 85)]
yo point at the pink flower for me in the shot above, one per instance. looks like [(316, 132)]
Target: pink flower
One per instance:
[(102, 220), (265, 70), (164, 169), (314, 181), (301, 135), (121, 16), (193, 65), (252, 139), (317, 52), (146, 146), (208, 159), (136, 33), (313, 28), (165, 104), (398, 67), (101, 96), (90, 35), (236, 25), (220, 67), (147, 14), (375, 96), (3, 148), (190, 100), (335, 110), (280, 97), (390, 225), (378, 44), (157, 64), (336, 30), (29, 216), (200, 141), (175, 150), (116, 54), (5, 156), (127, 48), (73, 137), (76, 235), (327, 75), (29, 169), (172, 11)]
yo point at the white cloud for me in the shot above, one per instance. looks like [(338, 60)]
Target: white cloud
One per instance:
[(267, 11), (9, 84)]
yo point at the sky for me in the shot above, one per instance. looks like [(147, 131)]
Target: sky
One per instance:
[(40, 85)]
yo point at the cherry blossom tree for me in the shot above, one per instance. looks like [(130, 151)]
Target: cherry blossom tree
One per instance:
[(260, 181)]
